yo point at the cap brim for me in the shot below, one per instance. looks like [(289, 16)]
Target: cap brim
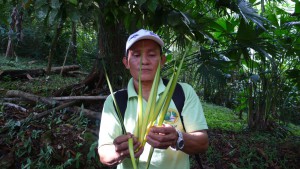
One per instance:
[(157, 40)]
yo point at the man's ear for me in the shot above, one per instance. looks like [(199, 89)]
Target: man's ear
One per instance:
[(125, 62), (163, 60)]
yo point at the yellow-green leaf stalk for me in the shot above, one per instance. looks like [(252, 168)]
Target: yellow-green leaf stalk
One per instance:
[(172, 84), (139, 113), (157, 109), (114, 99), (130, 141), (140, 100), (131, 152), (169, 97), (150, 105)]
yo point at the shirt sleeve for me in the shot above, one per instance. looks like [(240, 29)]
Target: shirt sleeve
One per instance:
[(192, 112), (110, 127)]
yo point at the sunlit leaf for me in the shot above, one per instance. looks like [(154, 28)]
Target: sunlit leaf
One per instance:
[(131, 152), (167, 99), (114, 100)]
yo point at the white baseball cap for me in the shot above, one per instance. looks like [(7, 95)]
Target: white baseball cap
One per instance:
[(143, 34)]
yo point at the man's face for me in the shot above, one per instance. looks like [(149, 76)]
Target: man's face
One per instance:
[(149, 50)]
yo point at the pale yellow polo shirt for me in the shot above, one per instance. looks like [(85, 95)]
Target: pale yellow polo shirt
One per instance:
[(193, 117)]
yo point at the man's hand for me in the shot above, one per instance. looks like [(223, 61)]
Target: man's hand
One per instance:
[(114, 154), (122, 149), (162, 137)]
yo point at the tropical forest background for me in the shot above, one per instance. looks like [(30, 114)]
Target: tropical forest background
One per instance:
[(242, 59)]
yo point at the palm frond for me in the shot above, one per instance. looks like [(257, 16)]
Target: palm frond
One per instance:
[(249, 13), (290, 24)]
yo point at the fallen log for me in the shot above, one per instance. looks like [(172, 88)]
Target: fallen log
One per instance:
[(30, 97), (64, 69), (53, 101), (79, 98), (32, 73), (39, 115), (20, 108), (14, 99), (61, 98), (88, 113), (20, 74), (44, 113)]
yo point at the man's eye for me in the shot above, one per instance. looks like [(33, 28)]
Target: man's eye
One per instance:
[(152, 54)]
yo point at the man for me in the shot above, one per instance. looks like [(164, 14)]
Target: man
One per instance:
[(172, 144)]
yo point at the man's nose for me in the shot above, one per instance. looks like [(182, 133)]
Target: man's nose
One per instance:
[(145, 59)]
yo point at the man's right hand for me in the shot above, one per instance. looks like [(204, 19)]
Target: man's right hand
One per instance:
[(112, 155), (122, 149)]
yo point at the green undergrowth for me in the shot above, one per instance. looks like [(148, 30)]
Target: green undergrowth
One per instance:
[(42, 86), (18, 63), (232, 145), (219, 117)]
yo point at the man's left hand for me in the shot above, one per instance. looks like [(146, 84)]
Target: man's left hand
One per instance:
[(162, 137)]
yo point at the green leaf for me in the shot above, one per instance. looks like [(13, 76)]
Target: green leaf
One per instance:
[(171, 91), (149, 157), (42, 12), (248, 12), (73, 2), (74, 14), (169, 57), (40, 3), (152, 5), (131, 152), (246, 32), (114, 100), (252, 1), (174, 18), (138, 131), (273, 19), (140, 2), (52, 15), (297, 7), (151, 105), (92, 153)]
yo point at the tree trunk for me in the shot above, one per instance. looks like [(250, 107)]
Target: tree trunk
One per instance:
[(10, 49), (74, 43), (111, 43), (250, 106), (53, 45)]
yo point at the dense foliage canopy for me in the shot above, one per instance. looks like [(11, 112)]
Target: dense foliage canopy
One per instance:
[(244, 54)]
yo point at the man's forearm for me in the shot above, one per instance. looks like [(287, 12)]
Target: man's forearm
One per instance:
[(195, 142)]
